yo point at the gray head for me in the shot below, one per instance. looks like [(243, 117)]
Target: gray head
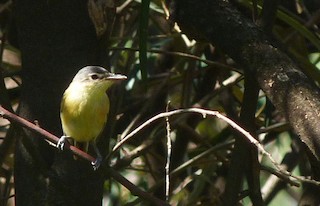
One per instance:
[(95, 74)]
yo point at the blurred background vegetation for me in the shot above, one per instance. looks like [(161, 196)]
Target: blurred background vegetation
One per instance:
[(167, 69)]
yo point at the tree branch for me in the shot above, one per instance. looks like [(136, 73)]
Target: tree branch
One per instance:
[(234, 125), (137, 191), (134, 189), (48, 136), (280, 78), (54, 139)]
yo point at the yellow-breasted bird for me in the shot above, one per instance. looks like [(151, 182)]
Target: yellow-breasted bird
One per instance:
[(85, 107)]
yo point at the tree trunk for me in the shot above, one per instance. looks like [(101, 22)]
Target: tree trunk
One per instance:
[(56, 39), (278, 76)]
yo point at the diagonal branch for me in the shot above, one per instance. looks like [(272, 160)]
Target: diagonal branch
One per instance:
[(54, 139), (204, 113), (278, 76), (48, 136)]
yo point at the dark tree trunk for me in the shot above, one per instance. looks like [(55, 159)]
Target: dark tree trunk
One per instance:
[(56, 39), (278, 76)]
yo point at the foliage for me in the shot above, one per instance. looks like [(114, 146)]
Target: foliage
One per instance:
[(166, 69)]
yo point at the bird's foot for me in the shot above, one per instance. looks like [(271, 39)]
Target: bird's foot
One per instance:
[(62, 141), (96, 164)]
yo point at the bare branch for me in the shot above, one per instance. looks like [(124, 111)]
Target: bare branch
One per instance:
[(134, 189), (204, 113), (47, 135), (169, 149)]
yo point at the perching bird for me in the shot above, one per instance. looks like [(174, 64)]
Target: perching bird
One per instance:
[(85, 107)]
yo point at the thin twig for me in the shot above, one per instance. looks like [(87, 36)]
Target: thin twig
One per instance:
[(123, 6), (129, 127), (134, 189), (224, 118), (280, 175), (180, 54), (202, 155), (168, 155), (181, 111)]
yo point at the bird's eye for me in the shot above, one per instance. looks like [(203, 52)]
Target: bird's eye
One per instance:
[(94, 76)]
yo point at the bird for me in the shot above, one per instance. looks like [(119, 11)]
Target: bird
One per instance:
[(85, 106)]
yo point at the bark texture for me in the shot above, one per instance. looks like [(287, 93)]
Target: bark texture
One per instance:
[(278, 76)]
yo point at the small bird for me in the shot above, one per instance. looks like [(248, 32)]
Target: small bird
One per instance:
[(85, 107)]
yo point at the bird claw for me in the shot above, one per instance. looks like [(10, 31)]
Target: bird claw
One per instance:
[(61, 142), (96, 164)]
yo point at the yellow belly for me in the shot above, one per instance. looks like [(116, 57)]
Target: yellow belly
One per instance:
[(84, 113)]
